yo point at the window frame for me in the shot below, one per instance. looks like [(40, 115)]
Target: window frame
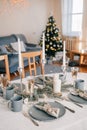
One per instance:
[(67, 14)]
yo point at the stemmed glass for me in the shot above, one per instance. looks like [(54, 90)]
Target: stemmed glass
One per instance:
[(74, 72), (65, 68)]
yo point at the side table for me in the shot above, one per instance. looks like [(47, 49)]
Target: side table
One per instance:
[(82, 55)]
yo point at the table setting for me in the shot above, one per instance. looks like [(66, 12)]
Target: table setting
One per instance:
[(53, 101), (49, 109)]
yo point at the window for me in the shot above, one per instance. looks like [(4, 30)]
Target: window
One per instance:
[(72, 14)]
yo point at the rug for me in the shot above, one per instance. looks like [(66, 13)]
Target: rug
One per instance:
[(49, 68)]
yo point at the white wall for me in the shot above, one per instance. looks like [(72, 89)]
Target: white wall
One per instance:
[(29, 17), (58, 14)]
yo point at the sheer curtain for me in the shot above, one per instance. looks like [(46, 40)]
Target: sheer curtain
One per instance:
[(84, 24), (79, 13)]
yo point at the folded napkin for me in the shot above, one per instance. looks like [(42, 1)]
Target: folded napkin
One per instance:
[(79, 93), (83, 95), (46, 107)]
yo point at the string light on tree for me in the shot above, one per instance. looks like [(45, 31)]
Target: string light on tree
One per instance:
[(52, 38)]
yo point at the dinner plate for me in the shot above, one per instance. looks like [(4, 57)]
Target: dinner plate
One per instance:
[(77, 99), (43, 116)]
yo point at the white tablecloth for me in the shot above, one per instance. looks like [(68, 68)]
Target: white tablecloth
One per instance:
[(70, 121)]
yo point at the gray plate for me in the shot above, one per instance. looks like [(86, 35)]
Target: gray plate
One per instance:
[(43, 116), (77, 99)]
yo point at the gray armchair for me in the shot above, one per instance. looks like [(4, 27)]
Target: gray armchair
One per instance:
[(12, 55)]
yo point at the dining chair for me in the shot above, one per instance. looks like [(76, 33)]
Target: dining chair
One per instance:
[(32, 62)]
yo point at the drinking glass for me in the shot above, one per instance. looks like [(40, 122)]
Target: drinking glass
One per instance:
[(64, 70), (67, 61), (74, 72)]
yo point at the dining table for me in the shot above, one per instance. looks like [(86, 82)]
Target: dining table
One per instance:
[(10, 120)]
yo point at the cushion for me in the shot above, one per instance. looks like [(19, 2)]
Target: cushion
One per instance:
[(30, 44), (73, 63), (33, 48), (9, 48), (15, 46), (3, 50)]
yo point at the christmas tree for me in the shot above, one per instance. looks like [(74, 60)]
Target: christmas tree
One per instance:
[(53, 40)]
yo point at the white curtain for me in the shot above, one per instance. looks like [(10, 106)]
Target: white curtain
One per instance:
[(65, 18), (84, 25), (66, 22)]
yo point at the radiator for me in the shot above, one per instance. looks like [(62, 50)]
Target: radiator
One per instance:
[(71, 42)]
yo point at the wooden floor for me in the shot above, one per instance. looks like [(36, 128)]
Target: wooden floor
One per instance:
[(83, 69)]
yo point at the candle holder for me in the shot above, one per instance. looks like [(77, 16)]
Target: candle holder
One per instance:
[(20, 73), (43, 63), (64, 70)]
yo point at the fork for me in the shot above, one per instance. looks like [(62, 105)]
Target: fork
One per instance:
[(71, 110), (33, 121)]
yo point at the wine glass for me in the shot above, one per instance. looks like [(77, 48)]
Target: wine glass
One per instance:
[(67, 61), (64, 71), (74, 72)]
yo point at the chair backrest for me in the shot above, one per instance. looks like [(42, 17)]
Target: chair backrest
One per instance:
[(5, 40), (22, 37), (32, 62)]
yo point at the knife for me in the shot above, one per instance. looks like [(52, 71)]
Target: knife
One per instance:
[(71, 110), (33, 121), (67, 99), (77, 104)]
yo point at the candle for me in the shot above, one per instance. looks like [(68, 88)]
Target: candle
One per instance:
[(19, 52), (43, 49), (56, 84), (64, 54)]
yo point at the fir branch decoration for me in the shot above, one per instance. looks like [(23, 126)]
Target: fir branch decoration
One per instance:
[(4, 81)]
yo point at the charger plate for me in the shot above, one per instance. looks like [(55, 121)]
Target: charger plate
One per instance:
[(43, 116), (77, 99)]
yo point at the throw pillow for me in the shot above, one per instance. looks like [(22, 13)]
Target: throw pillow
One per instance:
[(9, 48), (15, 46), (3, 50)]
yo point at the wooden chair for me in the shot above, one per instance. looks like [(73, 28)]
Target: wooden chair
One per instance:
[(5, 58), (32, 64)]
